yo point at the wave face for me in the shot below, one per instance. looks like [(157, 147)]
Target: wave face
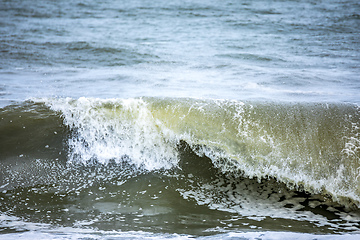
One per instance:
[(312, 146), (131, 164)]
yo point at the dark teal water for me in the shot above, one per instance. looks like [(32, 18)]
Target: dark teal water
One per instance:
[(179, 119)]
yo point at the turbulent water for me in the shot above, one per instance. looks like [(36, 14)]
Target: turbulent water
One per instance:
[(179, 119)]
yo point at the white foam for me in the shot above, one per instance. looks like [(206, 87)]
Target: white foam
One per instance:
[(117, 128), (250, 199), (29, 230)]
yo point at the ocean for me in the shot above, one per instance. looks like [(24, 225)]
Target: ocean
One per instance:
[(230, 119)]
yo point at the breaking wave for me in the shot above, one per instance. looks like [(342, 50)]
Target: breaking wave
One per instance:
[(311, 146)]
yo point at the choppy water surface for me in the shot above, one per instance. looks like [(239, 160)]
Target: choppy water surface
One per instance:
[(287, 50), (179, 119)]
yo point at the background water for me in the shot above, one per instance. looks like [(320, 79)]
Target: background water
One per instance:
[(278, 156), (277, 50)]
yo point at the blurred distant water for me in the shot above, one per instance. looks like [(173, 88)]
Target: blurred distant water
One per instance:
[(263, 50)]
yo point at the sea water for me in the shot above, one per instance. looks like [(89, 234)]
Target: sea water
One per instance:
[(179, 119)]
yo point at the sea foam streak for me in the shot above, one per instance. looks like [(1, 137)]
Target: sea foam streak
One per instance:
[(312, 146)]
